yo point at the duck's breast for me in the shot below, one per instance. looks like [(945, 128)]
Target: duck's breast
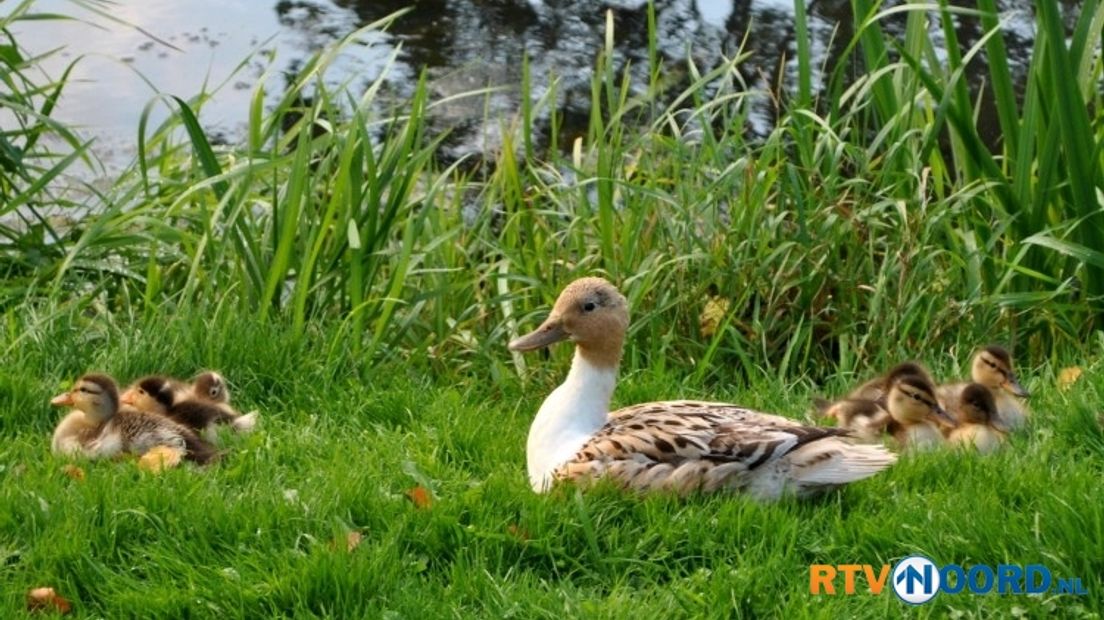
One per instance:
[(1012, 411), (922, 437)]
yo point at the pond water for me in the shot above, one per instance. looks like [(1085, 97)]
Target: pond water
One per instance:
[(464, 44)]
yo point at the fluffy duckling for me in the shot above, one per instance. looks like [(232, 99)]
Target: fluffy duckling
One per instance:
[(916, 413), (867, 419), (878, 387), (979, 426), (992, 368), (200, 406), (99, 428), (863, 410), (211, 386), (908, 410), (680, 446)]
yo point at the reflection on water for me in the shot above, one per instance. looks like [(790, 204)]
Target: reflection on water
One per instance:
[(464, 44), (202, 45)]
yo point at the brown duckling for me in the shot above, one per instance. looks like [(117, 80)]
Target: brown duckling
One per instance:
[(863, 410), (200, 406), (916, 413), (866, 419), (992, 368), (878, 387), (99, 428), (979, 426), (908, 410), (209, 385)]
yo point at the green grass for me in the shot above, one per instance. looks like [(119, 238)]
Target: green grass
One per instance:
[(228, 542)]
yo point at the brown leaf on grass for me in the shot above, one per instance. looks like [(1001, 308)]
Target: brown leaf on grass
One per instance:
[(1068, 376), (74, 472), (517, 532), (46, 599), (160, 458), (353, 539), (421, 497)]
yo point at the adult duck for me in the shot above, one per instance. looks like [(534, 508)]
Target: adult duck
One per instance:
[(679, 446)]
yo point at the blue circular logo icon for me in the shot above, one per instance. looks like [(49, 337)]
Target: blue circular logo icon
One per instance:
[(916, 580)]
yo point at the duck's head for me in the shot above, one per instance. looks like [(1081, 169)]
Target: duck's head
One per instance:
[(591, 313), (992, 367), (211, 386), (905, 369), (911, 400), (153, 394), (94, 394), (976, 406)]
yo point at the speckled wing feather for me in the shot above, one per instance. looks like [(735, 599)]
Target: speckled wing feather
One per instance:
[(146, 430), (687, 445)]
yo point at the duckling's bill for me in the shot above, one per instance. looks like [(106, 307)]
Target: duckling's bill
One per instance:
[(62, 400), (941, 415), (128, 397), (1013, 385)]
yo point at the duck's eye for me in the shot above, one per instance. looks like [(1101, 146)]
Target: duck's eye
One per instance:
[(589, 306), (916, 397), (84, 390)]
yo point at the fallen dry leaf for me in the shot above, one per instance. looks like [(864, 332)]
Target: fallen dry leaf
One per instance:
[(421, 497), (74, 472), (1068, 376), (46, 599), (517, 532), (353, 539), (712, 314), (160, 458)]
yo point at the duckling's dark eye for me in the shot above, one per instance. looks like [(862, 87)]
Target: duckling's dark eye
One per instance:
[(916, 397), (84, 390), (589, 306)]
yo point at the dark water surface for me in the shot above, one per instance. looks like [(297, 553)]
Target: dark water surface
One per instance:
[(465, 44)]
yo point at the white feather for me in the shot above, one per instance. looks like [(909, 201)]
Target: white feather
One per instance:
[(570, 415)]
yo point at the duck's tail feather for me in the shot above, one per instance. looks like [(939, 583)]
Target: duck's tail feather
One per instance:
[(199, 451), (832, 462), (246, 423)]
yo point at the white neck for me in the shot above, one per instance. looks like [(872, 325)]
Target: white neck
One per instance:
[(570, 415)]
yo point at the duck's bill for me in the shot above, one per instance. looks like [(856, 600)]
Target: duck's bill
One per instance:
[(1012, 385), (940, 415), (127, 398), (550, 332), (62, 400)]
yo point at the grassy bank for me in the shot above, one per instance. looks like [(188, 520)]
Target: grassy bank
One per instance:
[(264, 533)]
